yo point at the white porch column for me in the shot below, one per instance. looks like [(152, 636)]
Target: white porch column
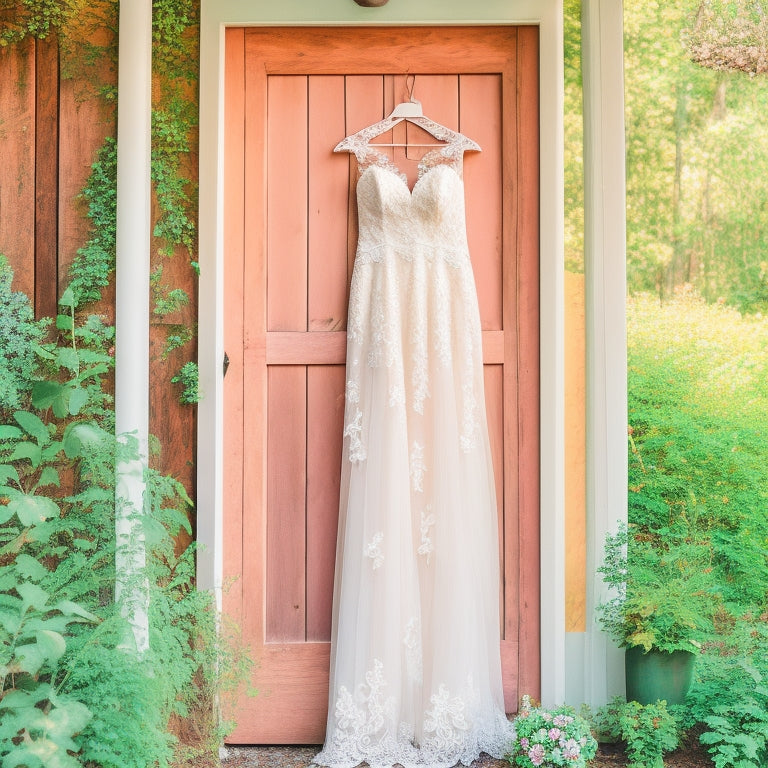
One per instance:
[(605, 274), (132, 307)]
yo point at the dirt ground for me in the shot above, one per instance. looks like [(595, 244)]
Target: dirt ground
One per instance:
[(691, 755)]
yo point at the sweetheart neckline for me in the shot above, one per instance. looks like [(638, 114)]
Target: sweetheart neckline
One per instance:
[(392, 170)]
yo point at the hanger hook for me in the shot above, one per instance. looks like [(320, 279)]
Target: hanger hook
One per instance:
[(411, 86)]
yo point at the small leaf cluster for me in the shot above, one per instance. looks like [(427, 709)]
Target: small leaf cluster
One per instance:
[(80, 363), (189, 378)]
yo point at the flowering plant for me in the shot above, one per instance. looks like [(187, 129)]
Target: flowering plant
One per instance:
[(545, 738)]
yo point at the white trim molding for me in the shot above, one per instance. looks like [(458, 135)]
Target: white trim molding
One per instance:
[(547, 15), (605, 288), (134, 193)]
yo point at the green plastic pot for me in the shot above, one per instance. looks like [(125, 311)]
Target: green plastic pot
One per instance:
[(657, 675)]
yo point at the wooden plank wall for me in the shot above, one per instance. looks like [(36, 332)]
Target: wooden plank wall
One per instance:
[(51, 128), (49, 135)]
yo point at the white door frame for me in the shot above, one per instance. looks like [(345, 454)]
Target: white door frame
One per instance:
[(216, 15)]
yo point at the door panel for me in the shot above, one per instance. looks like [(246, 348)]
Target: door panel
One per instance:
[(290, 239)]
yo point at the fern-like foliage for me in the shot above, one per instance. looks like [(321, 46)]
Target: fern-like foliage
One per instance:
[(20, 337)]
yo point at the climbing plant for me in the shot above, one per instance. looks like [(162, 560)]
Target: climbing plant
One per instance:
[(33, 17), (175, 38)]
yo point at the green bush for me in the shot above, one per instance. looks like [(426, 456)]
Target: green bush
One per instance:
[(698, 476), (71, 694), (648, 730), (662, 591), (730, 695), (698, 400)]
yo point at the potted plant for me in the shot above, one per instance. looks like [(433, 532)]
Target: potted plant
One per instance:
[(661, 606)]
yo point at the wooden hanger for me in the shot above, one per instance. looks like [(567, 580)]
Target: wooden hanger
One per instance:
[(410, 111)]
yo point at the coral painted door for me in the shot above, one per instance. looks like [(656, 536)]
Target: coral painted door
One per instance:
[(290, 236)]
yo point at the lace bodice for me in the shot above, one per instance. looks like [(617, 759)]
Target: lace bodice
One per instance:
[(430, 216)]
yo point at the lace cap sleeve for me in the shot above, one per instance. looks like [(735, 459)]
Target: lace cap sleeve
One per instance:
[(451, 153)]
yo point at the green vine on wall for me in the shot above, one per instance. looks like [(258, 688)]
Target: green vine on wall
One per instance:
[(95, 261), (175, 50), (175, 39), (35, 18)]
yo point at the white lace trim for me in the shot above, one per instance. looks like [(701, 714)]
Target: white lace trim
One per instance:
[(354, 431), (457, 728), (427, 521), (374, 550), (412, 643), (418, 467)]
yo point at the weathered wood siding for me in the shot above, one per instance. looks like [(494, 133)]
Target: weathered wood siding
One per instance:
[(51, 128)]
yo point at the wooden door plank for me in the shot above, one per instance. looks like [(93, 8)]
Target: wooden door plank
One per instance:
[(286, 504), (528, 317), (494, 408), (325, 426), (234, 222), (292, 703), (287, 203), (327, 289), (17, 171), (513, 554), (330, 348), (254, 313), (481, 121), (367, 50), (47, 177)]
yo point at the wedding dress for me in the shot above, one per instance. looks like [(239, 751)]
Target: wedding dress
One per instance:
[(415, 674)]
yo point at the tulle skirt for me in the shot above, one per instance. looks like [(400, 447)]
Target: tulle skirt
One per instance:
[(415, 675)]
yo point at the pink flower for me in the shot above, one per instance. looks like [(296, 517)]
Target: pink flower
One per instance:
[(524, 743), (536, 754), (571, 749), (554, 733), (560, 720)]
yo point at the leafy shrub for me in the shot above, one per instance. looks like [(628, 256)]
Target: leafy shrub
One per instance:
[(699, 461), (698, 474), (730, 694), (649, 730), (662, 591), (70, 692)]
